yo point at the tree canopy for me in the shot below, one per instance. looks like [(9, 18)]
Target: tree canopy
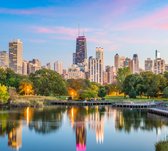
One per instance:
[(49, 83)]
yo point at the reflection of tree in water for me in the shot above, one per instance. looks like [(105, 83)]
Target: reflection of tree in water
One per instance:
[(8, 121), (10, 125), (47, 120), (135, 119)]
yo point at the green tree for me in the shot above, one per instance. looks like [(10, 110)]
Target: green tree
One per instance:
[(102, 92), (122, 73), (165, 92), (49, 83), (87, 94), (166, 76), (79, 84), (132, 85), (4, 96), (156, 86)]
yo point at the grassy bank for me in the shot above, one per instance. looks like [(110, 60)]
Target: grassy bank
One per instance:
[(162, 146), (40, 101), (33, 101)]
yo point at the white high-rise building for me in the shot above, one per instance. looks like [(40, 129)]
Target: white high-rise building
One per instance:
[(58, 67), (135, 64), (33, 66), (149, 64), (24, 67), (16, 55), (157, 54), (4, 59), (96, 66), (74, 72), (159, 66)]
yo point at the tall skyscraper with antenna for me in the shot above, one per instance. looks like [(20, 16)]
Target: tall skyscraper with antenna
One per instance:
[(81, 49)]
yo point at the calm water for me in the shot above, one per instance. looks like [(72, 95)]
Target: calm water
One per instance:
[(80, 129)]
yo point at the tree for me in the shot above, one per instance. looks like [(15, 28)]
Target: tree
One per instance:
[(132, 85), (49, 83), (122, 73), (102, 92), (111, 88), (87, 94), (79, 84), (4, 96), (156, 86), (26, 87), (165, 92)]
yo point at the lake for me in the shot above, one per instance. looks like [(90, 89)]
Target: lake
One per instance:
[(80, 129)]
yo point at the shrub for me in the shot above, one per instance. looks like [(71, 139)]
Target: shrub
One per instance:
[(4, 95)]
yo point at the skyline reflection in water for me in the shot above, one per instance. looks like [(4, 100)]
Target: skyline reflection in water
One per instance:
[(83, 126)]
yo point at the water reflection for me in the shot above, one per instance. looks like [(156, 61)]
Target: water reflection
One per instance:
[(82, 120), (15, 137)]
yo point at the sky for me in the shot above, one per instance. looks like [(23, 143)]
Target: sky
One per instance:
[(48, 28)]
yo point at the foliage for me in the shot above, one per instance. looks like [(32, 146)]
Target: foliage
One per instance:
[(165, 92), (82, 88), (132, 85), (162, 146), (12, 93), (49, 83), (78, 84), (111, 88), (9, 78), (4, 96), (26, 87), (122, 73), (102, 92), (87, 94)]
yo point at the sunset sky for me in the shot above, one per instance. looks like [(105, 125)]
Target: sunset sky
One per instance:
[(49, 28)]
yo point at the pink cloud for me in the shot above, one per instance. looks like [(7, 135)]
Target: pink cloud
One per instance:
[(155, 20), (56, 30), (59, 32)]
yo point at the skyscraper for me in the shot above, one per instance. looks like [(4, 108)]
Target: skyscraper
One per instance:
[(4, 59), (24, 67), (157, 54), (15, 55), (159, 66), (135, 64), (58, 67), (81, 50), (117, 61), (149, 64), (48, 66), (33, 66), (96, 66)]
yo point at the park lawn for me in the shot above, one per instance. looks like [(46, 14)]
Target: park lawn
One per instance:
[(162, 146), (40, 98)]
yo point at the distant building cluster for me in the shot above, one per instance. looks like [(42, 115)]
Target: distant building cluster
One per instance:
[(157, 66), (83, 67), (14, 60)]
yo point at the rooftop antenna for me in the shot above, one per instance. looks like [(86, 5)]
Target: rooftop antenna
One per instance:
[(83, 32), (78, 30)]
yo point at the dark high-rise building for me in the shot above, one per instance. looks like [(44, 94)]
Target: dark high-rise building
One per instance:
[(81, 50)]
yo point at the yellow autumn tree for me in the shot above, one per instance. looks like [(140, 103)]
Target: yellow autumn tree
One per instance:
[(26, 87), (4, 95)]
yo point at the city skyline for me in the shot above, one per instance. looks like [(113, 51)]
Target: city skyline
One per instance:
[(48, 29)]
